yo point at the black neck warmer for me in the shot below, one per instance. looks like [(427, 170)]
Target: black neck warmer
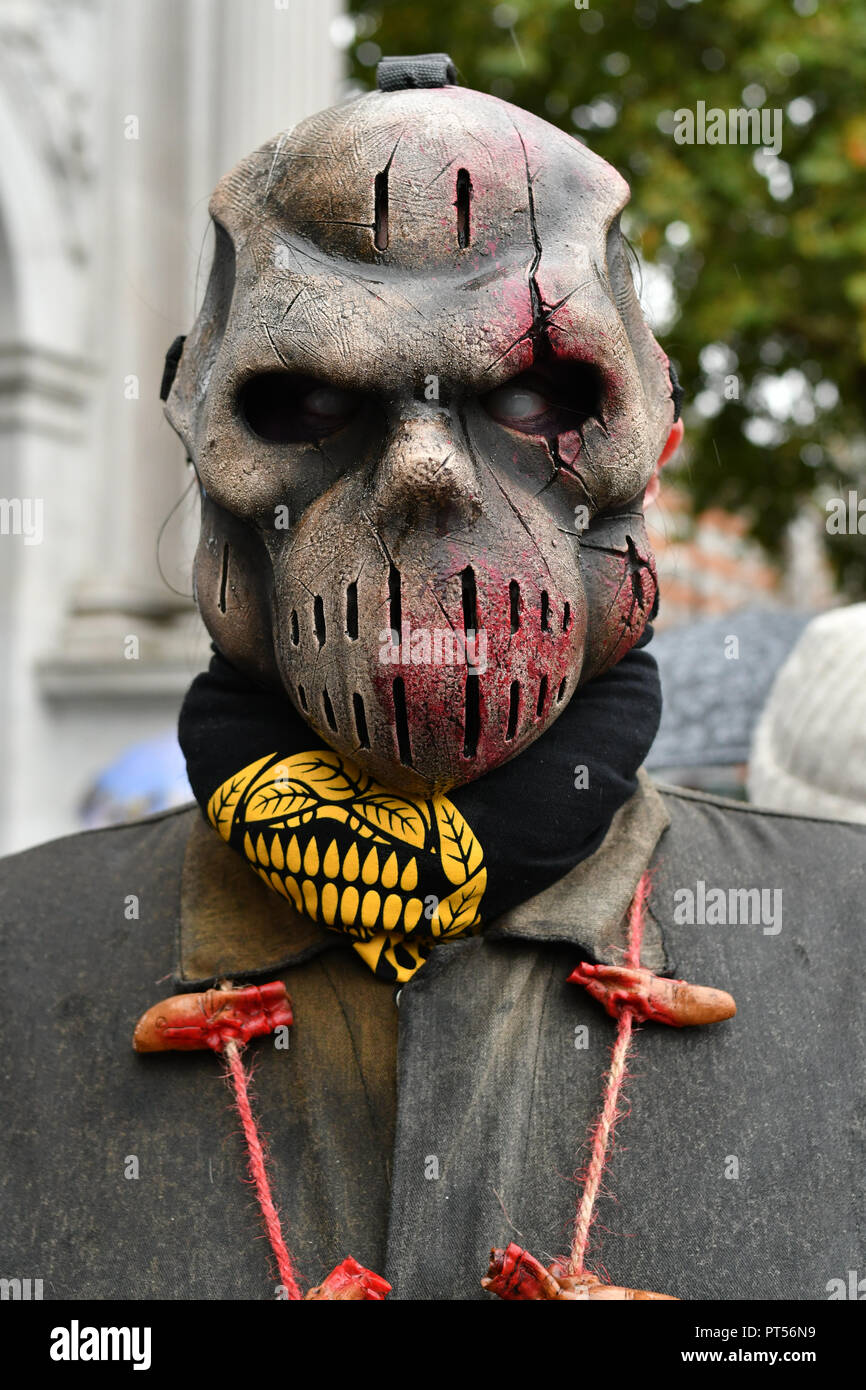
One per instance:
[(396, 872)]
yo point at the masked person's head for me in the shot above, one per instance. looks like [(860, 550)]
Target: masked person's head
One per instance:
[(423, 407)]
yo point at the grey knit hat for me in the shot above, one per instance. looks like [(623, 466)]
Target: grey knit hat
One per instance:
[(809, 749)]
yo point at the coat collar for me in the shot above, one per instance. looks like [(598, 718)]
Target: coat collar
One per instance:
[(232, 925)]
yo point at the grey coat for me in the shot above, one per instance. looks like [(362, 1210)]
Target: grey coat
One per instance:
[(416, 1135)]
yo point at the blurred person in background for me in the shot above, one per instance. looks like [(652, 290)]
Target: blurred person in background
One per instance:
[(809, 750), (715, 676)]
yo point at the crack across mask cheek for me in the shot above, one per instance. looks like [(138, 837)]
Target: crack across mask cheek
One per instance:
[(621, 583)]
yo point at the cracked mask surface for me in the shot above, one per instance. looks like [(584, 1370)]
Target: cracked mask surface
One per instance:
[(423, 407)]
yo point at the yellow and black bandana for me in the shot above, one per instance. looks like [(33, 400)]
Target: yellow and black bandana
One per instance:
[(393, 872), (396, 873)]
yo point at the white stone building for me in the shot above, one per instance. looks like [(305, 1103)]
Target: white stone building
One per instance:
[(116, 119)]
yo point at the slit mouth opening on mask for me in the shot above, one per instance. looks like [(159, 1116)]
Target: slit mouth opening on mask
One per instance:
[(352, 611), (469, 598), (513, 711), (224, 579), (471, 715), (329, 711), (360, 714), (380, 209), (319, 620), (461, 202), (514, 605), (472, 691), (395, 602), (401, 721)]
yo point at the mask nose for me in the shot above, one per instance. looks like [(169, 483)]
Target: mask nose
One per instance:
[(427, 475)]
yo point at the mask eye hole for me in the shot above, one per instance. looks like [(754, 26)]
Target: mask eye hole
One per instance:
[(287, 409), (546, 403), (517, 405)]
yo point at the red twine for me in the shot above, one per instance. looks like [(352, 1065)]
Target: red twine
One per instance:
[(603, 1129), (258, 1171)]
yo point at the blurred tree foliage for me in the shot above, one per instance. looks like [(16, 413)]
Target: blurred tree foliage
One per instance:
[(764, 254)]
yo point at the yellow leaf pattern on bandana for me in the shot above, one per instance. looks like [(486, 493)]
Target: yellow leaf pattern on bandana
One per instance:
[(393, 872)]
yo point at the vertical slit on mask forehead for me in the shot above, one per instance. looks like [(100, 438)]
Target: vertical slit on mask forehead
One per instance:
[(514, 603), (401, 721), (360, 721), (296, 632), (224, 579), (513, 711), (302, 696), (329, 710), (352, 611), (380, 213), (319, 619), (464, 191), (542, 696), (471, 715), (566, 617), (545, 611), (470, 599), (395, 602)]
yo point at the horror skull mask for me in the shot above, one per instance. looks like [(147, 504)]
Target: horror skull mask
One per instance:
[(423, 407)]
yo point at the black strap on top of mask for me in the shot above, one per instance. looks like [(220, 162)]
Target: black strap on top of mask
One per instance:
[(416, 70), (169, 371)]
